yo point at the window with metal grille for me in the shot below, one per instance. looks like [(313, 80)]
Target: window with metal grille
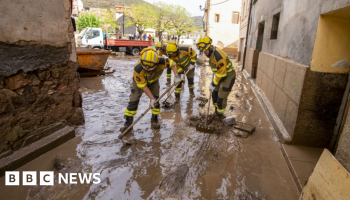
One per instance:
[(274, 29), (235, 17)]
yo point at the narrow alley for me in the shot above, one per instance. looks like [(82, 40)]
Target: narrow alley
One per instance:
[(174, 161)]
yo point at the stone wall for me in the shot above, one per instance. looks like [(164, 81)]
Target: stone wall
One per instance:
[(306, 102), (39, 83), (251, 61), (343, 150)]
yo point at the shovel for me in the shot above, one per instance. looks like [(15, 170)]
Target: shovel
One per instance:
[(205, 128), (165, 101), (149, 108)]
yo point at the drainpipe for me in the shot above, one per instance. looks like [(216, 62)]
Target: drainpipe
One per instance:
[(246, 36)]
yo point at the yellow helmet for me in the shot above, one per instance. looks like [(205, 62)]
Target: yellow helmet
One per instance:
[(204, 43), (159, 45), (149, 59), (171, 48)]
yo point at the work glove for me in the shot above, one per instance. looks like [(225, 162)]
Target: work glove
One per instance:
[(177, 78), (212, 87), (192, 66), (152, 103), (183, 78)]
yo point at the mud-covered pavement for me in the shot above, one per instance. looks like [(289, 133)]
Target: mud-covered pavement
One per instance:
[(174, 161)]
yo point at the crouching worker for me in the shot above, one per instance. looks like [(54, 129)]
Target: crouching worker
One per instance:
[(147, 72), (162, 51), (224, 71)]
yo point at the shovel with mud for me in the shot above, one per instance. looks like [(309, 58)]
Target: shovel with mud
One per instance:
[(167, 104), (205, 128)]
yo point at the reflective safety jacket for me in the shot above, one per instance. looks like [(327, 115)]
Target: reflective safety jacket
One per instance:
[(220, 64), (185, 56), (143, 77)]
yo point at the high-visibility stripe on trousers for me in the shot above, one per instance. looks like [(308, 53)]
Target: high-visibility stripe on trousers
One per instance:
[(221, 92), (190, 79), (168, 73), (135, 96)]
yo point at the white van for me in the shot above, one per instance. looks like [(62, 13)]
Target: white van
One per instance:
[(90, 36)]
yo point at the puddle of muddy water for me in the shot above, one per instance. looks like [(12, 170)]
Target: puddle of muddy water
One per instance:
[(174, 161)]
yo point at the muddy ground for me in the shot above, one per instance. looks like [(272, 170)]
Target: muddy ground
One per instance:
[(173, 162)]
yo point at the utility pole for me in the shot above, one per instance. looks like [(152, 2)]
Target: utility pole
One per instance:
[(206, 21), (123, 19)]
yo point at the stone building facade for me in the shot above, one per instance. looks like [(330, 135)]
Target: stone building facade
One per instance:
[(298, 53), (39, 83)]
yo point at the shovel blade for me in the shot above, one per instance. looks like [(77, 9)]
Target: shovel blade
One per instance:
[(205, 129)]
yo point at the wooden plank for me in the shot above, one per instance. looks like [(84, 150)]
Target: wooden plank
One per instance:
[(328, 181)]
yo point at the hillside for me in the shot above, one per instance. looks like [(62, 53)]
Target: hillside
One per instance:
[(197, 21), (109, 3)]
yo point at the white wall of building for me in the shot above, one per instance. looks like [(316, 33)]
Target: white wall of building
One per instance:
[(117, 15), (224, 32)]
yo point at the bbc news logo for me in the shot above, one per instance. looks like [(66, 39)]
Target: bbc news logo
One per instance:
[(47, 178)]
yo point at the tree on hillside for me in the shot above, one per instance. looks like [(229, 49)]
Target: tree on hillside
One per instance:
[(181, 21), (161, 20), (88, 20), (109, 21), (140, 16)]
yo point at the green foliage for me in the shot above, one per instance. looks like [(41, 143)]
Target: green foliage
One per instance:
[(140, 16), (181, 21), (88, 20), (160, 19), (109, 21)]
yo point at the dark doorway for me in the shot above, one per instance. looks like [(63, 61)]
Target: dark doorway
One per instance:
[(259, 42)]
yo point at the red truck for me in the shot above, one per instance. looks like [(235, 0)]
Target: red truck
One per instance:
[(133, 47)]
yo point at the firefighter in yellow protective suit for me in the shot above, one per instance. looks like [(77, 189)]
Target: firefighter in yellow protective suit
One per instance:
[(185, 58), (147, 72), (162, 51), (225, 74)]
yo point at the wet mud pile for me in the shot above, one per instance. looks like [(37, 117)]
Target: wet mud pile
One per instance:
[(214, 122), (202, 102)]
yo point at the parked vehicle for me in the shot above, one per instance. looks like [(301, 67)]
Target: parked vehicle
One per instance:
[(94, 37), (133, 47)]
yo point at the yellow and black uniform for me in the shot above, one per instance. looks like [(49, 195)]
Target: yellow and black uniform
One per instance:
[(161, 52), (185, 56), (143, 78), (224, 78)]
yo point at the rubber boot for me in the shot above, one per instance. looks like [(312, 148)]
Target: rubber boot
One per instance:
[(128, 121), (168, 82), (177, 97), (221, 116), (191, 91), (154, 122)]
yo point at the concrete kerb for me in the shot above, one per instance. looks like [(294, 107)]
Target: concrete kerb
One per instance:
[(36, 149)]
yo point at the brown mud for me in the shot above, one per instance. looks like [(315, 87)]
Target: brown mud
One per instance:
[(174, 161)]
